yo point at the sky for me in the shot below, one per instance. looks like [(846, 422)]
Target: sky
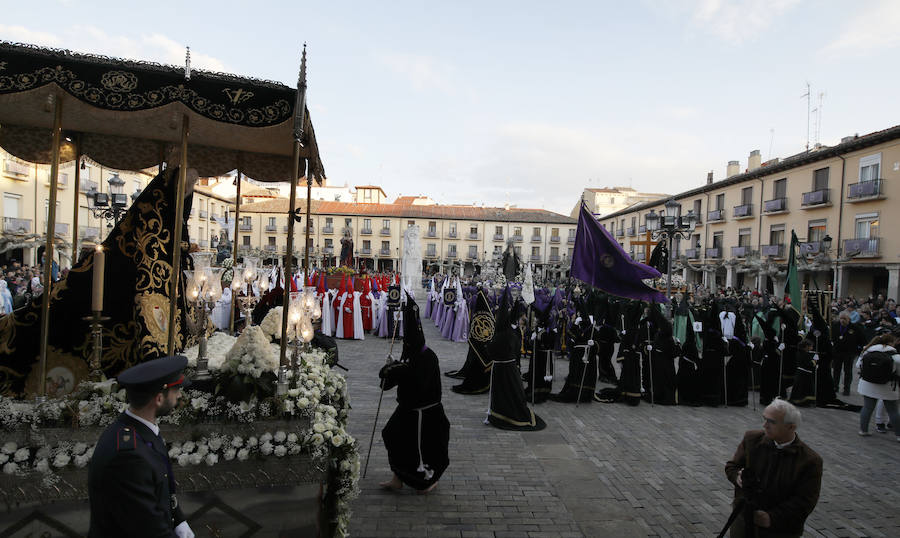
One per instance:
[(521, 102)]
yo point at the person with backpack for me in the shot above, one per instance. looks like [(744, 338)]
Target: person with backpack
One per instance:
[(879, 370)]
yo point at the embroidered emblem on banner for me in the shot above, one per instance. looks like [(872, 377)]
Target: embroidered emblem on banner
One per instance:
[(482, 329)]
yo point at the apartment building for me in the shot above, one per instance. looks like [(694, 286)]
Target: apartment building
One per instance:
[(461, 235), (605, 200), (838, 200)]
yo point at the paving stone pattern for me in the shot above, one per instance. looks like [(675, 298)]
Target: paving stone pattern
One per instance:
[(602, 469)]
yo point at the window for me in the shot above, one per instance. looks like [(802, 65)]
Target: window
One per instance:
[(747, 196), (473, 229), (815, 230), (612, 200), (11, 205), (367, 195), (272, 221), (385, 245), (367, 245), (622, 224), (718, 238), (633, 221), (498, 250), (328, 222), (780, 188), (554, 251), (535, 251), (498, 230), (695, 241), (385, 224), (517, 250), (248, 221), (410, 223), (744, 237), (698, 206), (720, 201), (246, 240), (431, 249), (367, 224), (473, 253), (452, 249), (329, 243), (517, 230), (867, 226), (776, 234), (870, 168), (348, 222), (271, 241), (537, 232), (572, 232), (820, 179), (452, 228)]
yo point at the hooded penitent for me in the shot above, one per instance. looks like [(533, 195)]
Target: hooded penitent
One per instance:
[(476, 372), (138, 268), (418, 433), (508, 408), (581, 381), (539, 378)]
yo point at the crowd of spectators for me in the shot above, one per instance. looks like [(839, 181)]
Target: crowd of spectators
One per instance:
[(23, 282)]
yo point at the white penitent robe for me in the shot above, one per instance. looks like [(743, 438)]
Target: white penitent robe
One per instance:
[(339, 321), (358, 332), (726, 320), (327, 314)]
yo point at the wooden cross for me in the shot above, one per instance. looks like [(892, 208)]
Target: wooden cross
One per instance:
[(647, 243)]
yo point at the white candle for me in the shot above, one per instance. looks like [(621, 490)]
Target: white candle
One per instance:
[(99, 270)]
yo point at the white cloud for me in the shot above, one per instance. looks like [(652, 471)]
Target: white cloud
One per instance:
[(874, 28), (423, 72), (733, 21), (20, 34)]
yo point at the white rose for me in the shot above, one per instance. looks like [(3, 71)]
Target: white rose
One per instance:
[(211, 459), (81, 461), (10, 447), (61, 460), (265, 438), (243, 454), (280, 436), (289, 406), (303, 402), (215, 444), (3, 458), (280, 451), (292, 438), (317, 439), (43, 452), (21, 455), (202, 450), (79, 449), (184, 459), (195, 459), (337, 440), (256, 372), (188, 447), (10, 468), (330, 390), (266, 448), (174, 452), (345, 465), (318, 427), (237, 442), (252, 442), (293, 393), (42, 466), (229, 454), (328, 434)]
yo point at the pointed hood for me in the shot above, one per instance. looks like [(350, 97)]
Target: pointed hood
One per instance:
[(413, 335), (343, 288), (322, 288)]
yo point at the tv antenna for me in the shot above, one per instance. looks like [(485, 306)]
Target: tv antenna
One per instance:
[(808, 112), (771, 142)]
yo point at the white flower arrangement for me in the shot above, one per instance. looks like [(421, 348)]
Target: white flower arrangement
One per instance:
[(271, 324), (252, 354), (217, 346)]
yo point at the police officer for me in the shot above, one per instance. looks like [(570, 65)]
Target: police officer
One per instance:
[(130, 481)]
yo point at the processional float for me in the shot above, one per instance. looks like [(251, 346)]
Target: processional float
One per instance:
[(57, 106)]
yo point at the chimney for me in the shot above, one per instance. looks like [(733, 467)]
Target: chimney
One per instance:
[(734, 168), (755, 160), (709, 178)]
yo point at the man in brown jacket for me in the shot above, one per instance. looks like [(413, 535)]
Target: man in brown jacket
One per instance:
[(776, 474)]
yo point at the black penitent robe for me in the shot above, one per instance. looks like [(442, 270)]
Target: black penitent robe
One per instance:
[(803, 389), (476, 371), (662, 359), (737, 372), (581, 382), (769, 372), (417, 435), (509, 410), (606, 341), (630, 379), (712, 368), (538, 387)]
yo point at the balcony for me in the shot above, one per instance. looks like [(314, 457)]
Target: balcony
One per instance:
[(473, 236), (716, 215), (244, 227), (554, 258), (811, 247), (498, 237), (865, 190), (451, 235), (203, 243), (535, 258), (517, 238), (639, 256), (451, 254), (365, 251), (743, 211), (328, 230), (497, 255), (384, 252), (328, 251), (62, 229), (821, 197), (620, 233), (385, 231), (778, 205), (642, 229), (714, 253), (431, 233), (270, 248), (867, 247), (86, 185), (570, 240), (272, 228), (244, 249), (554, 239), (89, 233), (204, 215), (631, 232), (472, 255), (430, 254), (16, 226), (772, 251), (536, 239), (740, 252), (692, 253), (365, 231)]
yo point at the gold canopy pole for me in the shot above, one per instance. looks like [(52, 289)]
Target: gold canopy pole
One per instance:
[(309, 180), (234, 252), (299, 124), (75, 250), (176, 233), (51, 233)]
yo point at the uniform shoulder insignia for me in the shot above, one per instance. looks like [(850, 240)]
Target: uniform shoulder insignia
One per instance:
[(126, 439)]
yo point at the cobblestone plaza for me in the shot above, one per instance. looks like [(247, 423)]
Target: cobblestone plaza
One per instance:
[(602, 469)]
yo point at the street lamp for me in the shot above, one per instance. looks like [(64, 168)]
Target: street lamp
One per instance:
[(109, 206), (670, 225)]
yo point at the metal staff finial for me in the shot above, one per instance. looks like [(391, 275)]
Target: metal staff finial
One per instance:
[(300, 104), (187, 63)]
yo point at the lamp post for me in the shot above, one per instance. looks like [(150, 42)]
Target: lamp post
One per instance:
[(111, 205), (669, 226)]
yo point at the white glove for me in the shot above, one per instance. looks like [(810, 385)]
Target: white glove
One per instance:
[(577, 320), (590, 343), (183, 530), (780, 347), (347, 310), (751, 345), (800, 333), (725, 339), (649, 347), (548, 378), (816, 357), (585, 357), (555, 330), (623, 332), (783, 326), (591, 317), (533, 335)]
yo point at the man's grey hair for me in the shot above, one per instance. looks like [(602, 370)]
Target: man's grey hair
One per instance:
[(791, 413), (844, 314)]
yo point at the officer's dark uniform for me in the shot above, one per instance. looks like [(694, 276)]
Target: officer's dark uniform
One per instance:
[(130, 479)]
